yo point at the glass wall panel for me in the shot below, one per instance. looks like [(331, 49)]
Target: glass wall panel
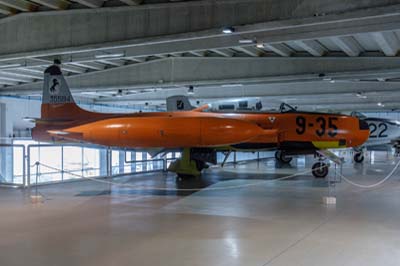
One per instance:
[(73, 162), (91, 162)]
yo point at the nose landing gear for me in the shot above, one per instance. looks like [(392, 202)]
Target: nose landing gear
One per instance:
[(358, 157), (320, 169)]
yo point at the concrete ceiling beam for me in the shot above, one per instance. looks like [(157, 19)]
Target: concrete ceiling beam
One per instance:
[(312, 47), (348, 45), (91, 3), (388, 42), (53, 4), (20, 5), (280, 49)]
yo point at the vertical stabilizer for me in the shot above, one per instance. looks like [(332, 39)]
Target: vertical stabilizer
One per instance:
[(178, 103), (57, 100), (55, 88)]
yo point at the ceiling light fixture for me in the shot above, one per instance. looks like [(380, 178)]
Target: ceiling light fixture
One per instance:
[(102, 56), (246, 41), (380, 104), (260, 45), (231, 85), (228, 30), (361, 95), (329, 79)]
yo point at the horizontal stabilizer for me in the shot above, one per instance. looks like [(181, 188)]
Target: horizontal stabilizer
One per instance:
[(66, 135), (47, 121)]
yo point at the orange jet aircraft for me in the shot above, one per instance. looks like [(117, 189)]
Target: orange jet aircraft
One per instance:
[(199, 134)]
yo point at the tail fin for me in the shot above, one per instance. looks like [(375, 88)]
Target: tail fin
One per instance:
[(57, 100), (178, 103)]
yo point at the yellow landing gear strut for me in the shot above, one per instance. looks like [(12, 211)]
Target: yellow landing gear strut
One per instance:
[(185, 166)]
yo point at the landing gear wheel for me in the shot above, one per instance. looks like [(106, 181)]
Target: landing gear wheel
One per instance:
[(281, 157), (320, 170), (358, 157)]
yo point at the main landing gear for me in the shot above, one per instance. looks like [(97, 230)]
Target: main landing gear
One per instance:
[(191, 164), (320, 169), (280, 156)]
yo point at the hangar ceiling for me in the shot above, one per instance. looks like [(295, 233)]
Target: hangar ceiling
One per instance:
[(13, 7), (333, 56)]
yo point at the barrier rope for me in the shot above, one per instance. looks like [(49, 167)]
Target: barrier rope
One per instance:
[(375, 184), (222, 188), (174, 189)]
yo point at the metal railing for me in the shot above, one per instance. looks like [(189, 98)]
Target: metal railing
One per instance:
[(104, 168), (108, 164)]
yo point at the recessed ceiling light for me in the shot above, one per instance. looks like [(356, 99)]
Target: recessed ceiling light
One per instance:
[(246, 41), (380, 104), (231, 85)]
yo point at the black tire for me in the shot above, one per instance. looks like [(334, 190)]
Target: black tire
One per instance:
[(358, 157), (320, 170), (282, 157), (277, 155)]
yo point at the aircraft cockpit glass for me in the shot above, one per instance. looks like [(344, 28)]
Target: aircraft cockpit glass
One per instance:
[(286, 108), (245, 105), (358, 115)]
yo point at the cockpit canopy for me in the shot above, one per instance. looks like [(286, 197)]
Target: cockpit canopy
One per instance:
[(246, 105), (358, 115), (287, 108), (250, 104)]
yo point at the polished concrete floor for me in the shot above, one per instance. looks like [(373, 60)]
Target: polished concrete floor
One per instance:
[(234, 216)]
